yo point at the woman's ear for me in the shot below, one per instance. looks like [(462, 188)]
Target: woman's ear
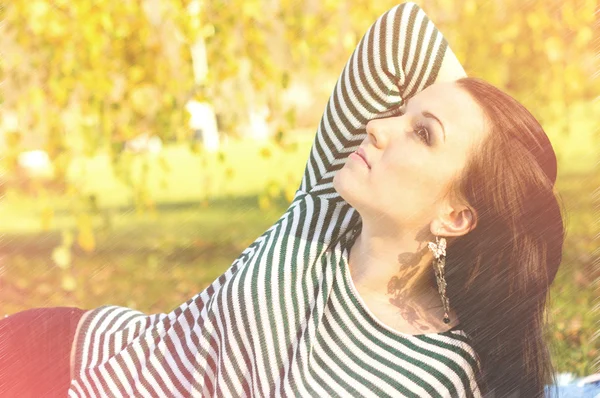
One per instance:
[(455, 221)]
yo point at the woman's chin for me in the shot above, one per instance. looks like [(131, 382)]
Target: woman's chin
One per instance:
[(343, 183), (340, 181)]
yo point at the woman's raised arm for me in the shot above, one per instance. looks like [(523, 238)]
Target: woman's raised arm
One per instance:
[(401, 54)]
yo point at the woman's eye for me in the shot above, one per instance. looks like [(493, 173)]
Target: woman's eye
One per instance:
[(423, 133), (420, 130)]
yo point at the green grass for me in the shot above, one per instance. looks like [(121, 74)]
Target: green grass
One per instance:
[(575, 290), (176, 177), (153, 264)]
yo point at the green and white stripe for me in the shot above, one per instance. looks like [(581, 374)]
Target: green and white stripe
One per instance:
[(285, 318)]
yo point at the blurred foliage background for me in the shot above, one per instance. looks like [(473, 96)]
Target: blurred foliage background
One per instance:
[(87, 219)]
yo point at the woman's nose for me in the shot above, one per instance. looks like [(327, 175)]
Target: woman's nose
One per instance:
[(377, 130)]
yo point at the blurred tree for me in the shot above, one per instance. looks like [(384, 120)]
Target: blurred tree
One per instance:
[(88, 75)]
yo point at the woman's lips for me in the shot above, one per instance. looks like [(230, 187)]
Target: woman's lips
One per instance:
[(363, 155), (358, 155)]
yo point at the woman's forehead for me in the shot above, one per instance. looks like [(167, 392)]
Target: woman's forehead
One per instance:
[(460, 114)]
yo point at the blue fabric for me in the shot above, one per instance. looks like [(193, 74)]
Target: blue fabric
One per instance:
[(572, 389)]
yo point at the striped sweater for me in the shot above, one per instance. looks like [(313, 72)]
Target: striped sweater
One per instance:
[(285, 319)]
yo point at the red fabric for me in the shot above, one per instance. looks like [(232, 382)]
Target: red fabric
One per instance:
[(35, 348)]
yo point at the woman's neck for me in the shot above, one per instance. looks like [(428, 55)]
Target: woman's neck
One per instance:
[(415, 304), (377, 260), (415, 307)]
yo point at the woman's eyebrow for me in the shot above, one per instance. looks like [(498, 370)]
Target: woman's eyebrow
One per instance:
[(429, 115), (432, 116)]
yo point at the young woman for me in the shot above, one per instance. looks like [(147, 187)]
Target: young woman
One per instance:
[(414, 260)]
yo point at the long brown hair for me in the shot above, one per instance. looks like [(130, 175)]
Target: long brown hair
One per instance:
[(499, 274)]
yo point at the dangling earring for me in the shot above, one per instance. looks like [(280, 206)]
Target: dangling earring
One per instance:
[(439, 252)]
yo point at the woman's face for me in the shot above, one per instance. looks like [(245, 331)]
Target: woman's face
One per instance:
[(413, 157)]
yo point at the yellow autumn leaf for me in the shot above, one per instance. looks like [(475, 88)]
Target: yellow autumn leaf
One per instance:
[(290, 192), (38, 17), (164, 164), (229, 173), (263, 202), (252, 9), (39, 9), (84, 221), (273, 190), (470, 7), (145, 99), (349, 40), (56, 29), (291, 178), (197, 147), (106, 22), (584, 36), (47, 217), (265, 152), (67, 238), (208, 30), (36, 97), (12, 138), (86, 240), (149, 203), (554, 48), (61, 256), (303, 48), (71, 191), (135, 74), (331, 4), (508, 48), (533, 20), (68, 283)]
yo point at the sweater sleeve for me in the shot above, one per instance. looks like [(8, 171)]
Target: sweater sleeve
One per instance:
[(401, 54)]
